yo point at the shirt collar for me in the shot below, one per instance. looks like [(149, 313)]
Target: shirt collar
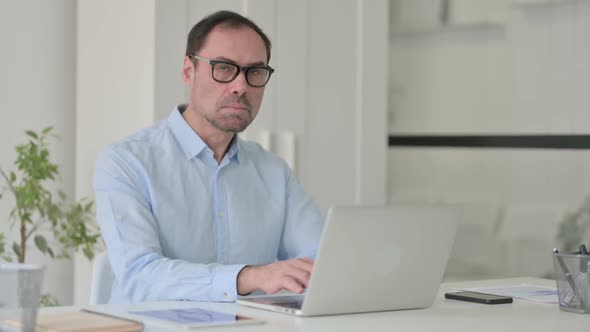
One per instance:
[(190, 142), (234, 149)]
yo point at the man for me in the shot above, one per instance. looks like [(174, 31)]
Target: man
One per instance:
[(190, 211)]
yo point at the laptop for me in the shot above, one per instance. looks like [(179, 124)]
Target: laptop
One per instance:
[(373, 259)]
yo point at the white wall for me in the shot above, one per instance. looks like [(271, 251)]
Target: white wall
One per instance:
[(527, 74), (37, 89), (171, 30), (115, 89)]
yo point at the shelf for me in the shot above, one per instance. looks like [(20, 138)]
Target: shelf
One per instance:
[(524, 4)]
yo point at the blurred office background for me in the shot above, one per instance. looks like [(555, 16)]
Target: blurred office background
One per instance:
[(350, 74)]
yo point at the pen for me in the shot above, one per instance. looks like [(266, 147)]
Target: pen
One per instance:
[(569, 279)]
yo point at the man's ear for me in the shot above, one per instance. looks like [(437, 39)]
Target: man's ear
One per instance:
[(188, 71)]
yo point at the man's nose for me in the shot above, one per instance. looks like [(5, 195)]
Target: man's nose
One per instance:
[(239, 85)]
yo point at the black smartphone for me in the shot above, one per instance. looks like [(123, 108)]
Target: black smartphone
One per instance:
[(478, 297)]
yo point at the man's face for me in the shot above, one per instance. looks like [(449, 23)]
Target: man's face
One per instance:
[(228, 107)]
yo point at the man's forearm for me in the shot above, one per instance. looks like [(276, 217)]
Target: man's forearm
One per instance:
[(246, 280)]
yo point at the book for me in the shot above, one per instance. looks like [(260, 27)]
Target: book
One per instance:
[(82, 321)]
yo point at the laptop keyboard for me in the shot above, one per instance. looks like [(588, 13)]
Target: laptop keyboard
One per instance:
[(292, 305), (291, 301)]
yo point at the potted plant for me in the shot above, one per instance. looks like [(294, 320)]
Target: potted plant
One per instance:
[(39, 211)]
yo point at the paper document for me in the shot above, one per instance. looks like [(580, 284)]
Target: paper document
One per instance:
[(526, 292)]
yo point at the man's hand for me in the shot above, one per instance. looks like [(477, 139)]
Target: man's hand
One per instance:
[(292, 275)]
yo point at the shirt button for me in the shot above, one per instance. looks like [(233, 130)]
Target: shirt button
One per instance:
[(220, 214), (118, 218), (226, 294)]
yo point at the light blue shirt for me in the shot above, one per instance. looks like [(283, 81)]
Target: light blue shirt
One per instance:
[(179, 226)]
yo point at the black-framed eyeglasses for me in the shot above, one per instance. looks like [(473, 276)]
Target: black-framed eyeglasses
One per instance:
[(225, 72)]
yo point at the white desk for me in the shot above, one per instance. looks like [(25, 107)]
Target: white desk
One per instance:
[(444, 315)]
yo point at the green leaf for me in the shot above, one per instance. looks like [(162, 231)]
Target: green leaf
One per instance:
[(47, 130), (41, 243), (32, 134), (88, 253), (2, 244), (50, 252), (48, 300), (16, 248)]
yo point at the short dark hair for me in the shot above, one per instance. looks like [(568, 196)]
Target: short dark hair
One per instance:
[(199, 32)]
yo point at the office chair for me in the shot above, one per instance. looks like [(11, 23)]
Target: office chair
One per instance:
[(102, 280)]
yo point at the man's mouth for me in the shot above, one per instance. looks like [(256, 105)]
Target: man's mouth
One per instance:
[(237, 107)]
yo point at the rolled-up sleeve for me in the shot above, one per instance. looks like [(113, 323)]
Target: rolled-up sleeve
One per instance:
[(131, 235)]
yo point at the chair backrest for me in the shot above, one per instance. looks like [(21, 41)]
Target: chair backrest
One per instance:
[(102, 280)]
